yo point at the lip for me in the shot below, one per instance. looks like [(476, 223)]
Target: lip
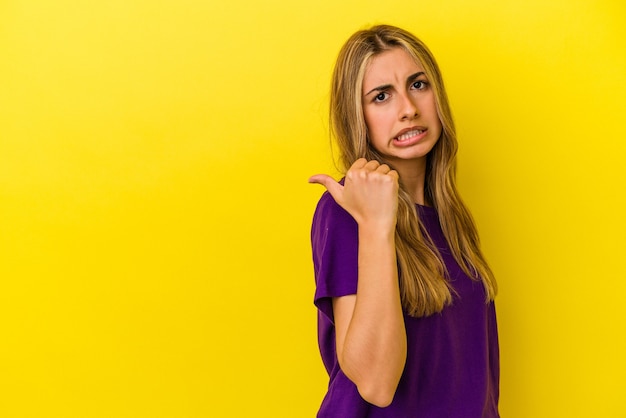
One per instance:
[(411, 140)]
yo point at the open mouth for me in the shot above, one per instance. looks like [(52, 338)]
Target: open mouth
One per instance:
[(410, 134)]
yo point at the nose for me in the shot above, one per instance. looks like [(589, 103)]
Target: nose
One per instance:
[(408, 109)]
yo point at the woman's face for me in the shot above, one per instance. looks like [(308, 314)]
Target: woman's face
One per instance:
[(399, 107)]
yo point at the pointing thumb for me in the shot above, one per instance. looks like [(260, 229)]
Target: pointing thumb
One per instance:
[(334, 188)]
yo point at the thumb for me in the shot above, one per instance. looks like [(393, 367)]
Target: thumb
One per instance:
[(335, 189)]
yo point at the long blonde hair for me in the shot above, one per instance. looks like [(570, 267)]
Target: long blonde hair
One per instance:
[(423, 286)]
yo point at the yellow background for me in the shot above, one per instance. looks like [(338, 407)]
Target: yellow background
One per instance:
[(154, 209)]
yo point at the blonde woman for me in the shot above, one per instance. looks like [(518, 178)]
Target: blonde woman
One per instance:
[(407, 324)]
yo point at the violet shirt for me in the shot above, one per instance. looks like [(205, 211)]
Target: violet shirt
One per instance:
[(452, 366)]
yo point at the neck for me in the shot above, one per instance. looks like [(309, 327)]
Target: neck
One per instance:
[(413, 176)]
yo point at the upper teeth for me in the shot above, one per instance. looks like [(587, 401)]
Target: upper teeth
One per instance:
[(409, 134)]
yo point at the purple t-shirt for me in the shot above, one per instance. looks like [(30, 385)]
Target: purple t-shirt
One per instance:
[(452, 367)]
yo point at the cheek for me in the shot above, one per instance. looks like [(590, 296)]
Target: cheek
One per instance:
[(374, 131), (370, 124), (368, 117), (433, 105), (375, 122)]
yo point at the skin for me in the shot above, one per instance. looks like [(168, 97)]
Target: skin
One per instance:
[(369, 326), (397, 97)]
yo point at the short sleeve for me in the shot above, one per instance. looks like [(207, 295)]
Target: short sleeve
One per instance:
[(334, 241)]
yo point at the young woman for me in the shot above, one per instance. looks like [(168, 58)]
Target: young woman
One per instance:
[(407, 324)]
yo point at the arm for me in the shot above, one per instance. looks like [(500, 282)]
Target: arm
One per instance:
[(369, 326)]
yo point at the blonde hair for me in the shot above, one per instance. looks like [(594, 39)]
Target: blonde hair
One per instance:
[(423, 286)]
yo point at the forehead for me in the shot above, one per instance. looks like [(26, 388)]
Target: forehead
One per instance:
[(393, 67)]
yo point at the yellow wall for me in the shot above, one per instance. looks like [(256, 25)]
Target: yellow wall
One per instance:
[(154, 209)]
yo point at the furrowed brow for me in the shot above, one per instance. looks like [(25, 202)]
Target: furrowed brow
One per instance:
[(385, 87), (379, 88), (413, 77)]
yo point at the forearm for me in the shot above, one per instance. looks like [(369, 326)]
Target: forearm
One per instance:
[(374, 349)]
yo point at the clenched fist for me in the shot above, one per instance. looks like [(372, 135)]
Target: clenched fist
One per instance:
[(369, 192)]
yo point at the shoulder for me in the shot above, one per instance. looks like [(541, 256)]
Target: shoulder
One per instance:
[(334, 241), (328, 213), (332, 227)]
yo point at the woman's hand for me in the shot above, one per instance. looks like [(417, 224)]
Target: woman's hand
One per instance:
[(369, 193)]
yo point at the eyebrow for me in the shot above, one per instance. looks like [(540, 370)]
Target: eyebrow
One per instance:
[(384, 87)]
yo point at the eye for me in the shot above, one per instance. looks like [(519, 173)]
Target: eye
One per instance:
[(419, 85), (381, 97)]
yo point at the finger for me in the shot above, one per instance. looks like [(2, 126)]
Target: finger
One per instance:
[(335, 189), (360, 163), (372, 165), (383, 168), (394, 174)]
